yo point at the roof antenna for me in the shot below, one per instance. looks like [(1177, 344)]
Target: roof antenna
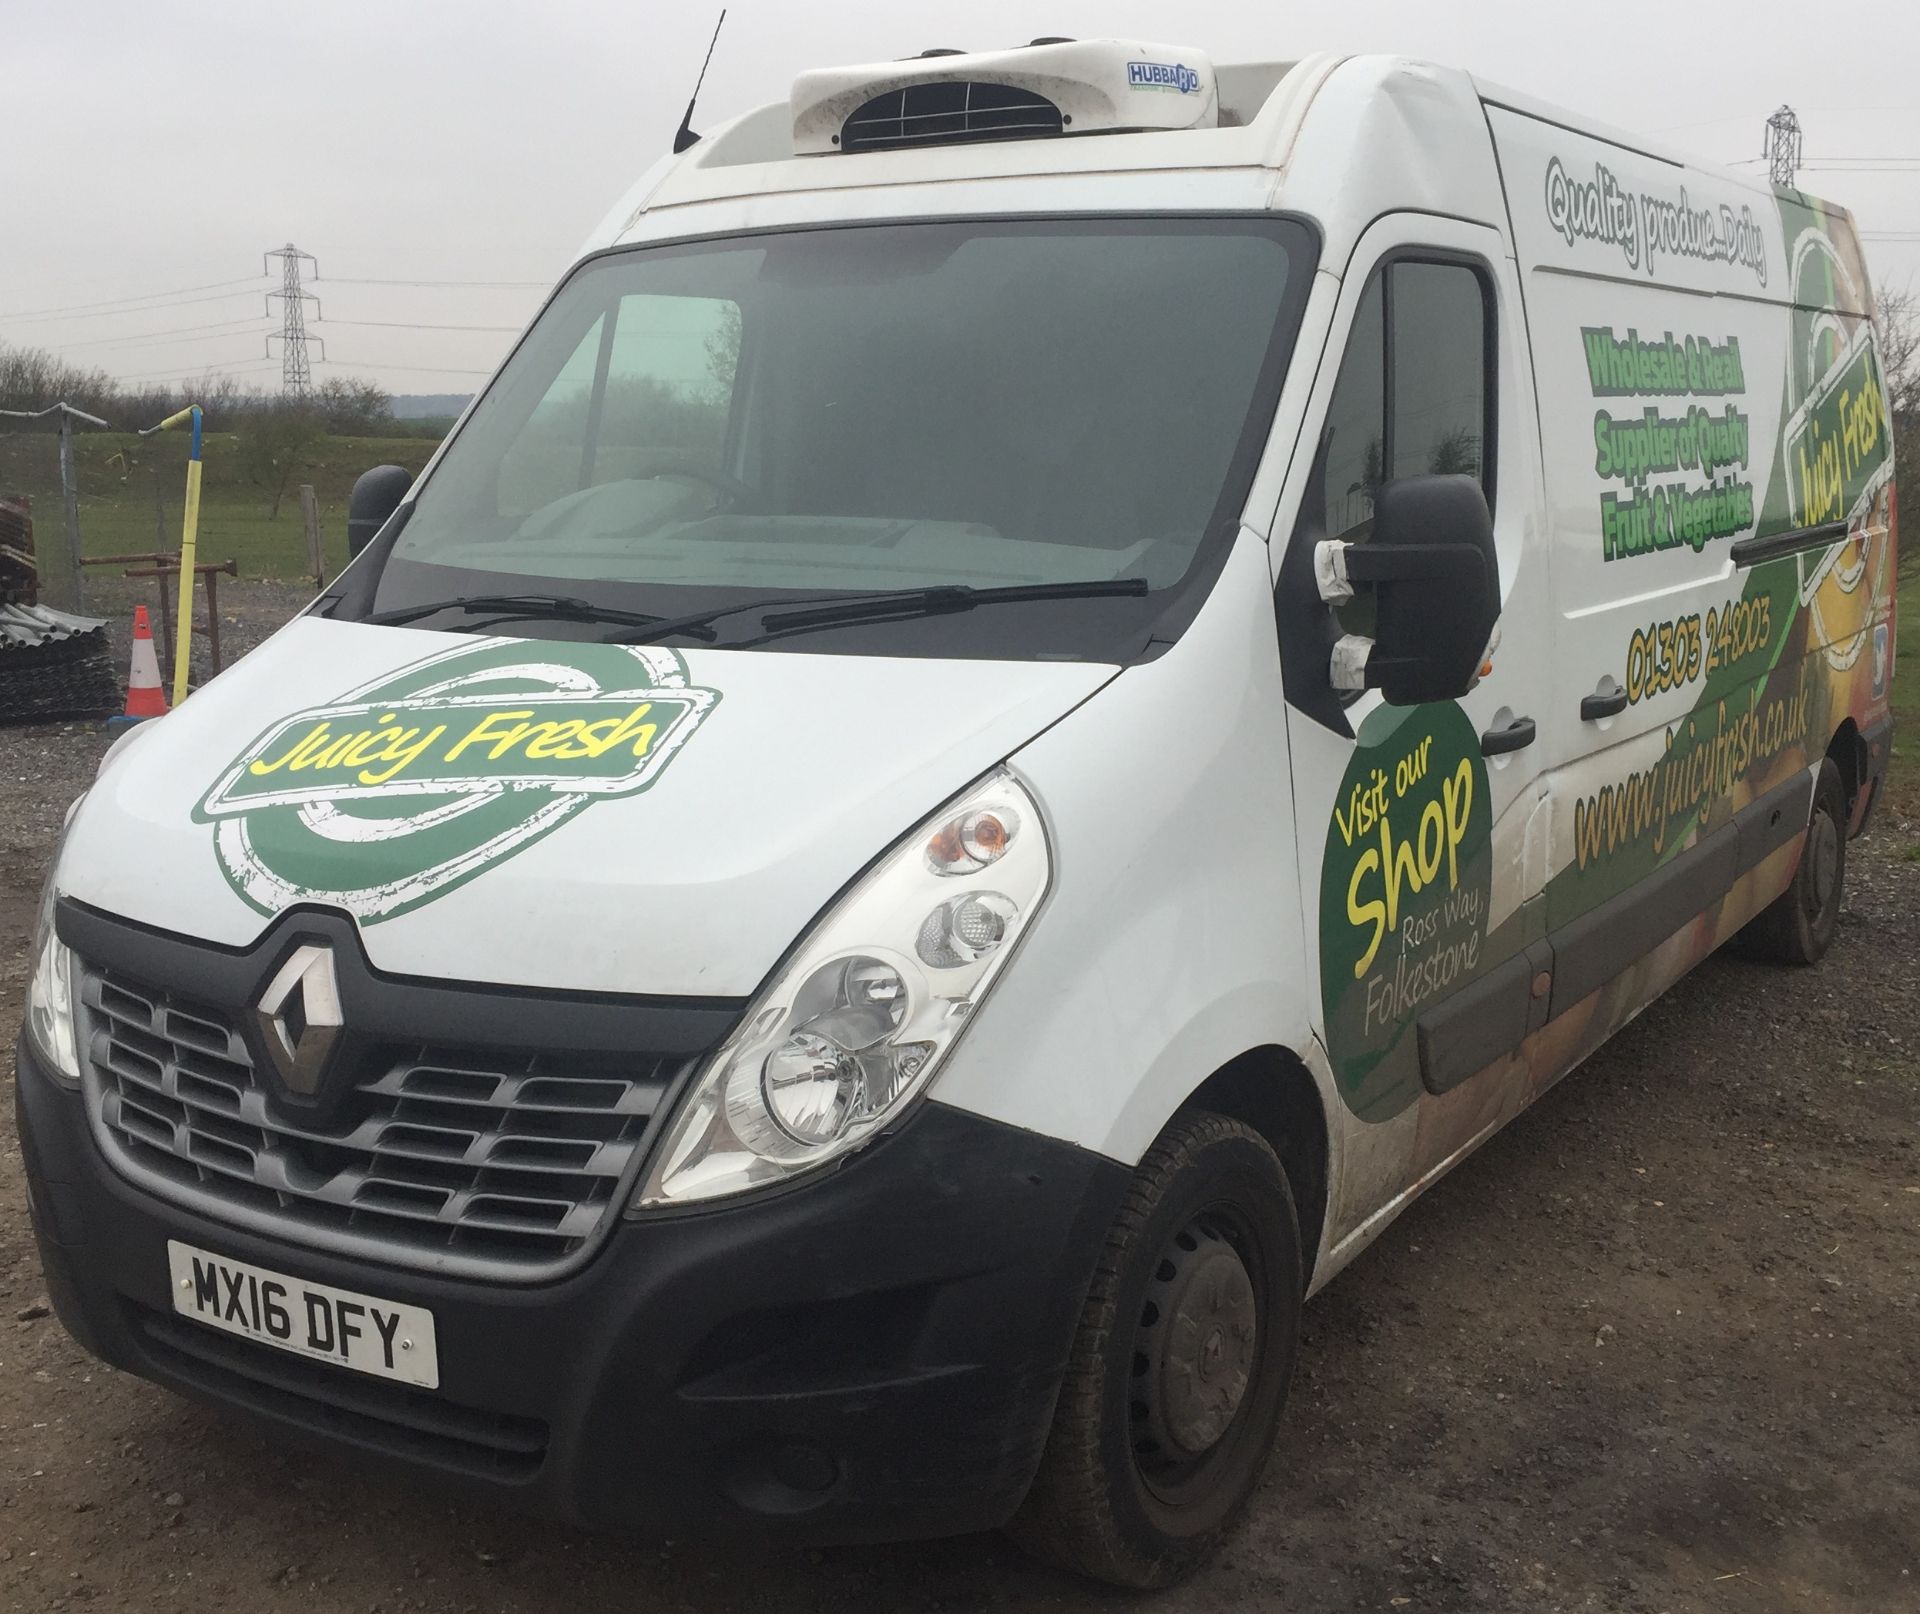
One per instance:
[(685, 137)]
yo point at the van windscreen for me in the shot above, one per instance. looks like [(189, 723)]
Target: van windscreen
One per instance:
[(873, 408)]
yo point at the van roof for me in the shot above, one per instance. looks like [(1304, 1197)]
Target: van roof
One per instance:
[(1263, 107)]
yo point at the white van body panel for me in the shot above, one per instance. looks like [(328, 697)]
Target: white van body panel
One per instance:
[(1225, 190), (1621, 241), (1171, 941), (1388, 134)]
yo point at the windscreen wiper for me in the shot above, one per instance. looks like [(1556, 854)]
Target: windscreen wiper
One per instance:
[(506, 607), (827, 610)]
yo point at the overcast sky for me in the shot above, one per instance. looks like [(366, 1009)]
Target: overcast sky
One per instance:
[(479, 140)]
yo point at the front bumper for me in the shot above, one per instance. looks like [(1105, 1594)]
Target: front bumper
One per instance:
[(873, 1354)]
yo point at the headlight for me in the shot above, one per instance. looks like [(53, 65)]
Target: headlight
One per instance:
[(859, 1019), (50, 988)]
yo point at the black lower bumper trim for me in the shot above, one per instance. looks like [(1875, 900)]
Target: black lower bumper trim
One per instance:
[(873, 1354), (324, 1401)]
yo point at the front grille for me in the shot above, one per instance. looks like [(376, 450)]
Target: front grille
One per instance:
[(458, 1160), (410, 1423), (949, 114)]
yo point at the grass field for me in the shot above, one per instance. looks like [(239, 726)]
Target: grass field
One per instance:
[(1903, 770), (131, 490)]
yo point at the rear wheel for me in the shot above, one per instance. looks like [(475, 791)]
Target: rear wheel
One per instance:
[(1180, 1366), (1798, 927)]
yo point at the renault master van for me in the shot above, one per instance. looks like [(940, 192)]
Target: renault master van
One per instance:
[(1050, 681)]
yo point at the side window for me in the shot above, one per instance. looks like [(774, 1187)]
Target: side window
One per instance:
[(1437, 353), (649, 389), (1413, 392), (1358, 420)]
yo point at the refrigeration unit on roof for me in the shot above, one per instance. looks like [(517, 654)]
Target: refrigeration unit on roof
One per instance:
[(1049, 88)]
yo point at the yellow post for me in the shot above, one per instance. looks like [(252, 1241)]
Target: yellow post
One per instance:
[(189, 545)]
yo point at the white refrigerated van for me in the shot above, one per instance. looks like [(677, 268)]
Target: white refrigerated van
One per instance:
[(1049, 682)]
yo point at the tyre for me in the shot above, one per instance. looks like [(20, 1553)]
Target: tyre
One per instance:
[(1180, 1365), (1797, 928)]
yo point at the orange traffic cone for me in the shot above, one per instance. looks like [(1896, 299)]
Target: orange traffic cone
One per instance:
[(145, 698)]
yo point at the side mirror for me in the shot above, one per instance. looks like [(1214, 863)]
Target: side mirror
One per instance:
[(1436, 580), (375, 497)]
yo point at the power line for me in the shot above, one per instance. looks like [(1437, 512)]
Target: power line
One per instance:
[(107, 302), (409, 325), (177, 373), (187, 296), (518, 285), (1741, 117), (295, 363), (149, 308), (381, 364), (147, 338)]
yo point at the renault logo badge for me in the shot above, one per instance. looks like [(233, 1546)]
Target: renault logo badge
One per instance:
[(300, 1020)]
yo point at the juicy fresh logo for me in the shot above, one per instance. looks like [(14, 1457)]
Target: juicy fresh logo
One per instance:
[(1175, 76), (404, 788), (1837, 451)]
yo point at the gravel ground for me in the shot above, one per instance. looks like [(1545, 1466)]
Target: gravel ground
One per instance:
[(249, 611), (1656, 1349)]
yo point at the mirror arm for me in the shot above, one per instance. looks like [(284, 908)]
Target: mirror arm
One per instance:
[(1347, 667), (1410, 563), (1330, 571)]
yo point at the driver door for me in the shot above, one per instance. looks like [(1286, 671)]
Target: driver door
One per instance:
[(1423, 883)]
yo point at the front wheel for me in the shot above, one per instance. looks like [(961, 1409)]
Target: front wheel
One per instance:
[(1180, 1366)]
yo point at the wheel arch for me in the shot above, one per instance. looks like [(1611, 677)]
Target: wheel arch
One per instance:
[(1271, 1090), (1848, 752)]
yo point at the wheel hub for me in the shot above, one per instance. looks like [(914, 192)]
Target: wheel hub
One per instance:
[(1824, 861), (1197, 1345)]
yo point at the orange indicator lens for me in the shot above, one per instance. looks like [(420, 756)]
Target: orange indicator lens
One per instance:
[(972, 842)]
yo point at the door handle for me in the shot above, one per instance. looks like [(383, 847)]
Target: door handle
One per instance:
[(1595, 707), (1516, 736)]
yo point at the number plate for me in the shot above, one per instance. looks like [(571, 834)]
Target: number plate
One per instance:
[(381, 1337)]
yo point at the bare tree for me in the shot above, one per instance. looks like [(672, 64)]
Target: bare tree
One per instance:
[(31, 378), (274, 443), (350, 406), (1897, 314)]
